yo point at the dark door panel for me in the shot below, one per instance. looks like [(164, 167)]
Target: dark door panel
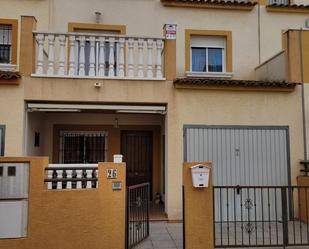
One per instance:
[(136, 148)]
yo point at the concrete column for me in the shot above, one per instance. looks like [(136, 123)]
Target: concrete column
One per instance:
[(170, 51), (198, 211), (27, 45)]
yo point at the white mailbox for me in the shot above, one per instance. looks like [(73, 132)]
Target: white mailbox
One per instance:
[(200, 175), (118, 158)]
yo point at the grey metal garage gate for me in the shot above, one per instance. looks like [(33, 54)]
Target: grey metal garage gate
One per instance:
[(241, 155)]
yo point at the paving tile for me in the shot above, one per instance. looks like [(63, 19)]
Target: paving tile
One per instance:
[(164, 244)]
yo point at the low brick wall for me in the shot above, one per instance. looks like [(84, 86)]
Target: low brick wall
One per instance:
[(303, 198), (72, 219)]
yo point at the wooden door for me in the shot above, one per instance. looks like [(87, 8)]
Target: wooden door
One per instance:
[(136, 148)]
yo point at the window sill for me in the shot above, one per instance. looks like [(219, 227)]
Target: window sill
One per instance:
[(8, 67), (225, 75)]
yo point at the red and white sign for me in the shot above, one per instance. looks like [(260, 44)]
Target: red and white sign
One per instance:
[(170, 31)]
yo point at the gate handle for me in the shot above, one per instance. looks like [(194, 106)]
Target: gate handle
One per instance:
[(238, 189)]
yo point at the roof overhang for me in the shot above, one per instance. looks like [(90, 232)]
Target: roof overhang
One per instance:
[(59, 107), (211, 4), (226, 84)]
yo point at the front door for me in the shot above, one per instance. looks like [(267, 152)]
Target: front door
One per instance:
[(136, 148)]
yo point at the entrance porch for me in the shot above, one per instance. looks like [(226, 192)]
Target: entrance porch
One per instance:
[(79, 136)]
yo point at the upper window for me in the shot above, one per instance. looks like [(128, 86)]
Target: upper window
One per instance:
[(2, 133), (8, 41), (207, 54)]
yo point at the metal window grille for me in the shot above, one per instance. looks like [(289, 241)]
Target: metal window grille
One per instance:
[(5, 43), (82, 147), (283, 2), (2, 133)]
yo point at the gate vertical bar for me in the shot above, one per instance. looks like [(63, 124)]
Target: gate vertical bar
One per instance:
[(183, 218), (285, 217)]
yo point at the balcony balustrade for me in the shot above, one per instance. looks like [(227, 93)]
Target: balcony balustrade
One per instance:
[(71, 176), (87, 55)]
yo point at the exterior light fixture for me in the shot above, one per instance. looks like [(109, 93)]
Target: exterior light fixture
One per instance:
[(116, 123), (98, 16)]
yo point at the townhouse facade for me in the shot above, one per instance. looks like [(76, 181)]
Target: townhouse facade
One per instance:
[(160, 82)]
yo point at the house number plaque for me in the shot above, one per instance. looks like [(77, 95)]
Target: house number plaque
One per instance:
[(112, 174)]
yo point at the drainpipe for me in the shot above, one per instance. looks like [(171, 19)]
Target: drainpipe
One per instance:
[(259, 31), (303, 92)]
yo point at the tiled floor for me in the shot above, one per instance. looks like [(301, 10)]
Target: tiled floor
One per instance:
[(169, 236), (163, 235)]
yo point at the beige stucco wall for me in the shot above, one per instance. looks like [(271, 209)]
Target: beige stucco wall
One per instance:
[(35, 123), (186, 106), (274, 69), (12, 116)]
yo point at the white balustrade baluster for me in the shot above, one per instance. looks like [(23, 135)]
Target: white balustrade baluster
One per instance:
[(89, 176), (140, 67), (102, 56), (79, 173), (69, 177), (111, 59), (40, 57), (121, 58), (92, 57), (159, 59), (50, 177), (62, 54), (130, 58), (59, 176), (51, 54), (95, 175), (82, 56), (72, 66), (149, 58)]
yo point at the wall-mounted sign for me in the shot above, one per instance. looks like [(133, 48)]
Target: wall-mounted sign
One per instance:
[(170, 31), (112, 173), (116, 185)]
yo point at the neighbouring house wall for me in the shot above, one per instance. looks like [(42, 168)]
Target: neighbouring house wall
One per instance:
[(77, 219), (305, 55), (13, 9), (273, 69)]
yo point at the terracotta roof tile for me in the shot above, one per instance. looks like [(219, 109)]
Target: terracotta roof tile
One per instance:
[(215, 2), (294, 6), (233, 83), (7, 75)]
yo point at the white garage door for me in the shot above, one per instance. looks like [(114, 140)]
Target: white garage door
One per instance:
[(241, 155)]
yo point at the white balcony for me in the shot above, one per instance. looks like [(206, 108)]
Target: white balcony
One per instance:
[(87, 55)]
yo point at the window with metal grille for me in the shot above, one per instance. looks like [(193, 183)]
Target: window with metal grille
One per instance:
[(284, 2), (82, 146), (5, 43)]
